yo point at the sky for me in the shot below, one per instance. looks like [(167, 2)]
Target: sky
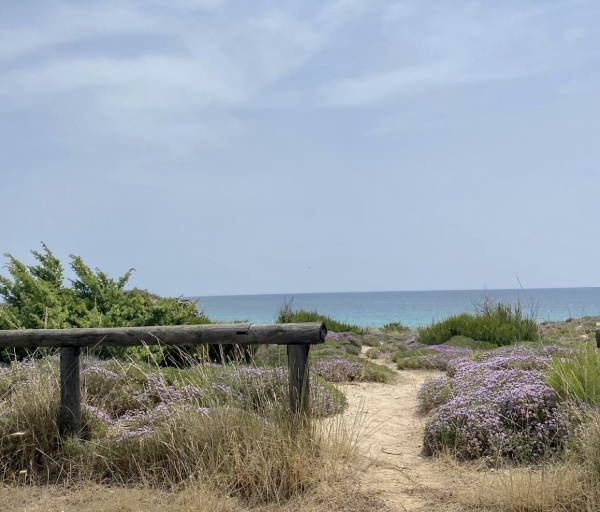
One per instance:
[(232, 147)]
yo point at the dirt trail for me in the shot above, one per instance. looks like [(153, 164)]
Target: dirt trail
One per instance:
[(393, 432)]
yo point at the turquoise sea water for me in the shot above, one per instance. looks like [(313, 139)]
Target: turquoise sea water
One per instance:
[(413, 309)]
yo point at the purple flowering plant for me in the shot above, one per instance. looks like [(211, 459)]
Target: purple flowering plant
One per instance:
[(132, 403), (496, 405), (433, 357)]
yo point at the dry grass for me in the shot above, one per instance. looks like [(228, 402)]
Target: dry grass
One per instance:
[(90, 497), (571, 485), (555, 487), (253, 454)]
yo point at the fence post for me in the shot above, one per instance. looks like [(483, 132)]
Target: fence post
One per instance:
[(69, 421), (298, 378), (598, 334)]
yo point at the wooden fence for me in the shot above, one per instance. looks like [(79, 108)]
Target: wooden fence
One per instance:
[(297, 337)]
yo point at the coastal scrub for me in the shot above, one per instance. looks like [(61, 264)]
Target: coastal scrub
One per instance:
[(497, 406), (164, 425)]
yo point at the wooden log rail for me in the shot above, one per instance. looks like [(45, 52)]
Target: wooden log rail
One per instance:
[(297, 337)]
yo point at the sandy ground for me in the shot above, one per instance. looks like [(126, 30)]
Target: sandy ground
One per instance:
[(396, 473), (399, 473)]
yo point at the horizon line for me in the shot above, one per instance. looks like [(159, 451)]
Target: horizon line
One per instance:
[(285, 294)]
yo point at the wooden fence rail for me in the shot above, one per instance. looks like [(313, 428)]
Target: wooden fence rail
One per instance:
[(297, 337)]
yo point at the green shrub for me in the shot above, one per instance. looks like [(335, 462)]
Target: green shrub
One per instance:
[(496, 323), (351, 349), (464, 342), (394, 327), (419, 363), (370, 341), (389, 348), (287, 315), (373, 372), (37, 298), (576, 374), (373, 353)]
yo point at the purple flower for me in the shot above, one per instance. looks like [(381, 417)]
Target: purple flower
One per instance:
[(498, 406), (137, 432), (98, 413), (338, 370), (100, 371)]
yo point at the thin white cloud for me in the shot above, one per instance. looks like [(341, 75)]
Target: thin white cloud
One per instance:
[(68, 24), (191, 68), (198, 69), (144, 83), (433, 46)]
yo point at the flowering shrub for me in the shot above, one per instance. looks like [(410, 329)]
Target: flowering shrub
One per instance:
[(268, 387), (434, 357), (129, 409), (497, 406), (338, 370)]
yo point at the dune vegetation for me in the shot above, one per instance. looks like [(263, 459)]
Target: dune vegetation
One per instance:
[(508, 394)]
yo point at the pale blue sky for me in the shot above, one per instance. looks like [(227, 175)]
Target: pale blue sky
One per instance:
[(231, 147)]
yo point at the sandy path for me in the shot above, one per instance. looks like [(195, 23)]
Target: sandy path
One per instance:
[(392, 437)]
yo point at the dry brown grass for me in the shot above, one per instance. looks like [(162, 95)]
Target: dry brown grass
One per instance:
[(334, 497), (226, 452), (558, 487), (571, 485)]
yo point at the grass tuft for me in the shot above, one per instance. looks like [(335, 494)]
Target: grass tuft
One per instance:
[(575, 374), (496, 323), (287, 314)]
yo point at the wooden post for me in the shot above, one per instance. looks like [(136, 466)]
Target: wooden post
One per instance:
[(298, 378), (598, 334), (69, 421)]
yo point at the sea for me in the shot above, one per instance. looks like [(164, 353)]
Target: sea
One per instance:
[(411, 308)]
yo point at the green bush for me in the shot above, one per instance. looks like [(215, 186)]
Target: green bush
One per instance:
[(287, 315), (576, 374), (394, 327), (370, 341), (373, 353), (464, 342), (496, 323), (37, 298)]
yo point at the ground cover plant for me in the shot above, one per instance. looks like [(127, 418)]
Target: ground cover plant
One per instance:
[(373, 353), (433, 357), (498, 406), (157, 425), (336, 360), (572, 329), (572, 481), (493, 322)]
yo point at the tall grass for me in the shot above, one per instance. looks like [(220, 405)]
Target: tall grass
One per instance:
[(497, 323), (572, 484), (287, 314), (161, 427), (575, 375)]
